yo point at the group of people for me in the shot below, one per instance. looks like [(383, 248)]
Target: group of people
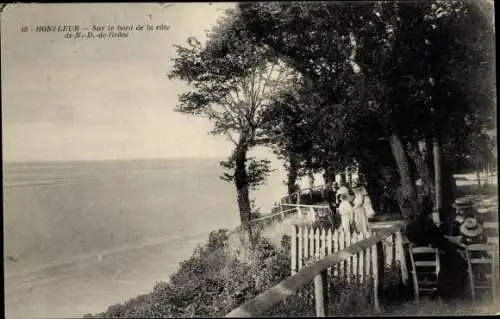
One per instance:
[(351, 208)]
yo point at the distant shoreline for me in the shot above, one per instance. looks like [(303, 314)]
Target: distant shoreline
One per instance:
[(34, 162)]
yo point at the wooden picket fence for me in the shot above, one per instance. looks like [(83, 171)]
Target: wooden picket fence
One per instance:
[(310, 244), (317, 271)]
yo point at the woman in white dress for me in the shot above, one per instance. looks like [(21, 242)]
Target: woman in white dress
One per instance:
[(362, 209), (345, 210)]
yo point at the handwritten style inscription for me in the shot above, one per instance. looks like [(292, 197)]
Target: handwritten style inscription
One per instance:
[(96, 31)]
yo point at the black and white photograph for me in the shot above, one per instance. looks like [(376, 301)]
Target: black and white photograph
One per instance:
[(249, 159)]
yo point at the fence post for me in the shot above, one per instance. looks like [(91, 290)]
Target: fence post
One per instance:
[(310, 242), (354, 258), (300, 261), (341, 241), (321, 294), (368, 257), (347, 238), (401, 257), (376, 301), (361, 260), (294, 250), (329, 248), (394, 249)]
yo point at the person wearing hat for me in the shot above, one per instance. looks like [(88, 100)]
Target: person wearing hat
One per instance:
[(361, 208), (342, 191), (464, 208), (421, 231), (346, 210), (472, 231)]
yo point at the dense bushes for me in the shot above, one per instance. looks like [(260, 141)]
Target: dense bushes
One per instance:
[(223, 273)]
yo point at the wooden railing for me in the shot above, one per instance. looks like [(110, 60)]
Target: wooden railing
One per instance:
[(285, 210), (279, 216), (317, 272), (294, 198)]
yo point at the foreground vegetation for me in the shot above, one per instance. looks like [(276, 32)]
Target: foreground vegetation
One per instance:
[(223, 274)]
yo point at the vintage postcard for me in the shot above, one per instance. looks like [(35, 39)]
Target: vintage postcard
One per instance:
[(249, 159)]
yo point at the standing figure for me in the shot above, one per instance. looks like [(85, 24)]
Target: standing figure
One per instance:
[(346, 211), (360, 209), (331, 198), (367, 204)]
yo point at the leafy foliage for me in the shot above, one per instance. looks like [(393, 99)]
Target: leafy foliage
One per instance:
[(257, 170), (372, 69)]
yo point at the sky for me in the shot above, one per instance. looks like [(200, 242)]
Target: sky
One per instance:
[(68, 99)]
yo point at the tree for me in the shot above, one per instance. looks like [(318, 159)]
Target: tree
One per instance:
[(231, 79), (406, 53)]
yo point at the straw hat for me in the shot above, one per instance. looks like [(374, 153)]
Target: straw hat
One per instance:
[(342, 191), (471, 228)]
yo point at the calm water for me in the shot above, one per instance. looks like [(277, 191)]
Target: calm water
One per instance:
[(79, 236)]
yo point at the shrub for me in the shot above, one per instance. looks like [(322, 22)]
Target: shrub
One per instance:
[(212, 282)]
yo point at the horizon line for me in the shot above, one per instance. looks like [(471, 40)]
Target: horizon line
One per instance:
[(109, 159)]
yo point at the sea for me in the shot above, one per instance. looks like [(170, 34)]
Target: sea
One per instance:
[(81, 236)]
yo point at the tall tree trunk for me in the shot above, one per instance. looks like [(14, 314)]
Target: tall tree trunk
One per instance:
[(241, 183), (293, 173), (436, 150), (419, 154), (448, 195), (408, 195), (429, 161)]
